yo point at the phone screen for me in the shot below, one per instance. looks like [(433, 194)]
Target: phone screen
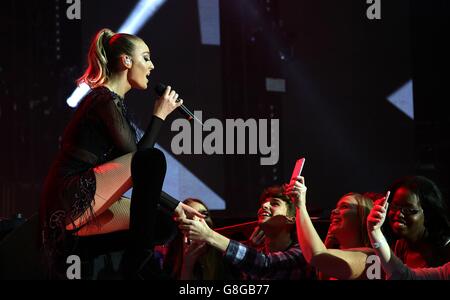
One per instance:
[(297, 169)]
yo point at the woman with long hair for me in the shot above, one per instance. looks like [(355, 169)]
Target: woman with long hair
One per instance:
[(348, 228), (195, 260), (101, 157)]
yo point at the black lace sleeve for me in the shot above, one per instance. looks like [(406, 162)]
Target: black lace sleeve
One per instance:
[(120, 130), (151, 134)]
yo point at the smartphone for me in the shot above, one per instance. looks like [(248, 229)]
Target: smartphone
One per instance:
[(297, 170), (386, 199)]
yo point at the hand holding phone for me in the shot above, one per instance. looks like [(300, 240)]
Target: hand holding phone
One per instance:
[(385, 200), (297, 170), (377, 215)]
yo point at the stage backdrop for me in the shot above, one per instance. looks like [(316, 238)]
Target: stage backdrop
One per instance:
[(341, 85), (346, 104)]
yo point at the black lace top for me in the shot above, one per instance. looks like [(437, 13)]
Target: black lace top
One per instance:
[(101, 131)]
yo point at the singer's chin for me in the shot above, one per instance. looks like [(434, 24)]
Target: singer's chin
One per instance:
[(142, 86)]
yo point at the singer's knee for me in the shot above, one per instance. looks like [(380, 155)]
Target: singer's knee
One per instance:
[(148, 161)]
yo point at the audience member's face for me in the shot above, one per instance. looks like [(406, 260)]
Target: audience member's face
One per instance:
[(344, 220), (271, 207), (405, 214)]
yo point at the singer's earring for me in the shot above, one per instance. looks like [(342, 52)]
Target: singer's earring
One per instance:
[(127, 61)]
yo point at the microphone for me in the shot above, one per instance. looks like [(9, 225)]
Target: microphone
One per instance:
[(160, 88)]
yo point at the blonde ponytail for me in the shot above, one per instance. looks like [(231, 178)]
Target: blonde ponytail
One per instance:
[(97, 71), (104, 56)]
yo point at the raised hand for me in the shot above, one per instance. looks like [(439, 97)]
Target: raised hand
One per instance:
[(377, 215), (167, 103), (185, 211), (297, 191), (195, 230)]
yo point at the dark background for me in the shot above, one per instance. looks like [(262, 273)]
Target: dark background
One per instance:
[(339, 69)]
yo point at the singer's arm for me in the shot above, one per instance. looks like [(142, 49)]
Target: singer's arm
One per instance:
[(123, 136), (161, 89), (151, 134), (167, 103), (163, 107), (119, 130)]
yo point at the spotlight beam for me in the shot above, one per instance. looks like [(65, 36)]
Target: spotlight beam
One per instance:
[(141, 13)]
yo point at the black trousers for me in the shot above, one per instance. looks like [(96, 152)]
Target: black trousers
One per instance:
[(148, 169)]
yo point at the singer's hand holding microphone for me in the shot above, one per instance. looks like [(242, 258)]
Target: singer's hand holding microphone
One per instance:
[(167, 103)]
